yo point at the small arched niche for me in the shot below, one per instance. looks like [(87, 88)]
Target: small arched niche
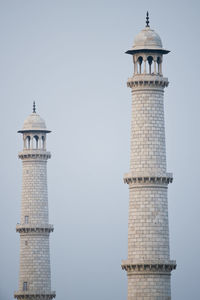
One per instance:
[(140, 65), (150, 60), (159, 62), (43, 142)]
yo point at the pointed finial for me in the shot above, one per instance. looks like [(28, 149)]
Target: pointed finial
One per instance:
[(34, 108), (147, 19)]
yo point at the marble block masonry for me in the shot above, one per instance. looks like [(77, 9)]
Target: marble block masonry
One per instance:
[(148, 264)]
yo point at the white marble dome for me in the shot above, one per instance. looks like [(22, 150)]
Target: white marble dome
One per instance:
[(34, 123), (147, 39)]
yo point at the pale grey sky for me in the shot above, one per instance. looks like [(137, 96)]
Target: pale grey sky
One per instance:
[(69, 57)]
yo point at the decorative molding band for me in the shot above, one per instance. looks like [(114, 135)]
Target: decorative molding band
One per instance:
[(142, 80), (34, 154), (34, 229), (33, 296), (152, 267), (151, 179)]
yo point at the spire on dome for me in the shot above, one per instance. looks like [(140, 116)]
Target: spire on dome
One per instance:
[(147, 19), (34, 107)]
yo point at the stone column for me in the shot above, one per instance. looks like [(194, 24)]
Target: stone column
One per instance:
[(155, 71), (145, 66), (161, 67)]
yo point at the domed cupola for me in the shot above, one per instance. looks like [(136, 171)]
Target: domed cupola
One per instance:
[(147, 47), (34, 122), (34, 131), (147, 39)]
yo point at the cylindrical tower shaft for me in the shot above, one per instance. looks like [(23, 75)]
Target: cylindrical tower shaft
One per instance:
[(147, 131), (34, 192)]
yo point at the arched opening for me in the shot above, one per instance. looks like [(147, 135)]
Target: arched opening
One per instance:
[(28, 142), (35, 142), (43, 142), (150, 60), (159, 64), (140, 60)]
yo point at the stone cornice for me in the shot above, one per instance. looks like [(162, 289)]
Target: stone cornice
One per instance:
[(147, 80), (26, 228), (148, 266), (34, 154), (130, 178), (39, 296)]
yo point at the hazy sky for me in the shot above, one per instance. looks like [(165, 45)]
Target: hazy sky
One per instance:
[(69, 57)]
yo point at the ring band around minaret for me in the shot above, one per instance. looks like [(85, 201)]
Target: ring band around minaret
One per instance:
[(34, 227), (148, 265)]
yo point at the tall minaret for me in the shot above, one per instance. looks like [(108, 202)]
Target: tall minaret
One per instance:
[(34, 228), (148, 265)]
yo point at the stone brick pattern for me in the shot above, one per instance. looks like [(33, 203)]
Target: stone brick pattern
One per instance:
[(35, 263), (34, 192), (148, 132), (148, 233), (149, 287)]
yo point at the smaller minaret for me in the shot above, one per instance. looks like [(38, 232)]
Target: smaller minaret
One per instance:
[(34, 228)]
